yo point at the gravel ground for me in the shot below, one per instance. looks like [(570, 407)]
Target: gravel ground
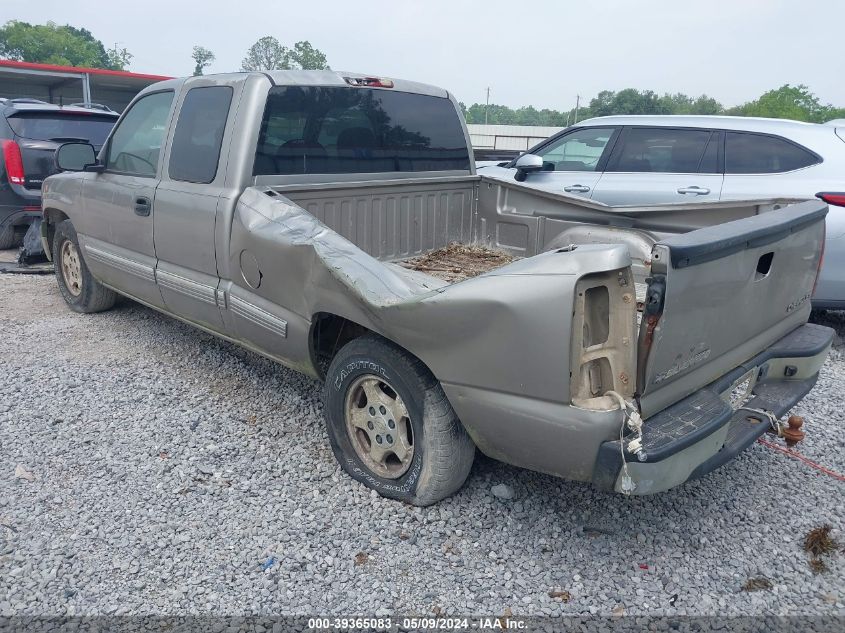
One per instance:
[(146, 467)]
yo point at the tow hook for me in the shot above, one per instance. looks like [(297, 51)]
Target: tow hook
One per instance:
[(792, 433)]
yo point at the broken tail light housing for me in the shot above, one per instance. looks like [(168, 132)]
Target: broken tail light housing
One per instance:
[(370, 82), (14, 162)]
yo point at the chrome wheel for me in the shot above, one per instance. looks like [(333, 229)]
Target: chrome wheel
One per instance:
[(379, 426), (71, 268)]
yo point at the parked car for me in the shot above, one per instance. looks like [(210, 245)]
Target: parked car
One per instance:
[(30, 132), (660, 159), (287, 211)]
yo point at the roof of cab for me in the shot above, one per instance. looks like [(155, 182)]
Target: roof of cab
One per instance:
[(304, 78)]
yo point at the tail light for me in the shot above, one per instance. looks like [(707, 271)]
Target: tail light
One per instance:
[(836, 199), (14, 162), (603, 345)]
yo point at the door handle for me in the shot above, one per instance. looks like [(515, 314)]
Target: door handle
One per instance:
[(143, 205), (698, 191), (576, 189)]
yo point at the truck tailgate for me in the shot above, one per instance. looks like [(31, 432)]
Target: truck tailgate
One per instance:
[(720, 295)]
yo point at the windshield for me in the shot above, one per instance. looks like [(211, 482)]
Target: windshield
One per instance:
[(60, 126)]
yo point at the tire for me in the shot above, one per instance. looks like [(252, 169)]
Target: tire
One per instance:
[(9, 237), (80, 290), (441, 451)]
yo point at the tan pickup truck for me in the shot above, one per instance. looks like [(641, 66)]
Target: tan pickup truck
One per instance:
[(334, 222)]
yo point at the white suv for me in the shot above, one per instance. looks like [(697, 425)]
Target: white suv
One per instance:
[(637, 160)]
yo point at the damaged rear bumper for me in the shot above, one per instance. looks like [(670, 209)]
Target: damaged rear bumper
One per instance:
[(704, 431)]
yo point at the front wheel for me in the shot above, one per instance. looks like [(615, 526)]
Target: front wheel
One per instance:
[(391, 426), (80, 290)]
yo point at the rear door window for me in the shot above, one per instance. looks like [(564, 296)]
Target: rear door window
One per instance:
[(335, 130), (580, 150), (663, 150), (198, 136), (62, 127), (747, 153)]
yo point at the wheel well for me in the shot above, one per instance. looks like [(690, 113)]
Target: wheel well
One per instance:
[(330, 332), (51, 218)]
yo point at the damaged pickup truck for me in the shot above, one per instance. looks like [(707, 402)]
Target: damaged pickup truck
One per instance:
[(331, 221)]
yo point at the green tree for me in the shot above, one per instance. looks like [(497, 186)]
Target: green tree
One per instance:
[(269, 54), (680, 103), (119, 58), (789, 102), (202, 59), (628, 101), (266, 54), (54, 44), (793, 102), (306, 57)]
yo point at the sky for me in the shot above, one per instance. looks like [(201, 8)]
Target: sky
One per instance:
[(535, 52)]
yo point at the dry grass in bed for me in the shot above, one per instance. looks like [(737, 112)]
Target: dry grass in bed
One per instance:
[(457, 262)]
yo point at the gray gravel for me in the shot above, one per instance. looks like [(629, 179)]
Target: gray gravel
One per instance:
[(160, 470)]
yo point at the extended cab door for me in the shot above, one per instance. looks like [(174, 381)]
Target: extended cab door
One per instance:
[(651, 165), (573, 161), (116, 228), (186, 205)]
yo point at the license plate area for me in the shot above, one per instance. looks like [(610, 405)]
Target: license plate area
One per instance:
[(741, 389)]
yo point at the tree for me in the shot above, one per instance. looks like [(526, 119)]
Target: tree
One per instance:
[(119, 58), (305, 57), (266, 54), (269, 54), (794, 102), (53, 44), (789, 102), (202, 59)]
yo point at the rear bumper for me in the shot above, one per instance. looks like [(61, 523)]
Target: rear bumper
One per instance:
[(702, 432)]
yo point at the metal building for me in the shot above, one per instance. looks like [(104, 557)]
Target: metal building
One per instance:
[(508, 137), (71, 84)]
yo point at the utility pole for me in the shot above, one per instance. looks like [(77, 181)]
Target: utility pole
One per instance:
[(487, 107), (577, 103)]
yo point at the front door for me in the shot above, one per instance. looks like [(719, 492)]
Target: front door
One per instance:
[(116, 230), (572, 162)]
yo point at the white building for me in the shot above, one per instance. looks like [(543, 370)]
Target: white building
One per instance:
[(508, 137)]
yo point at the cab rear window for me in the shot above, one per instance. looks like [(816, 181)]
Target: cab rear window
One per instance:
[(334, 130), (62, 127)]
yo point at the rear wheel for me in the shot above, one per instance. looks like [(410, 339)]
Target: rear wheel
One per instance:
[(80, 290), (391, 426), (9, 237)]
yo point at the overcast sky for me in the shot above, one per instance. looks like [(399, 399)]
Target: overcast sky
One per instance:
[(537, 52)]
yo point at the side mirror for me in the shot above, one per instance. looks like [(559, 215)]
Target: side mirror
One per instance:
[(526, 164), (76, 157)]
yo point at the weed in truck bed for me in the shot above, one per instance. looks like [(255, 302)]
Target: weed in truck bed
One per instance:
[(457, 262)]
